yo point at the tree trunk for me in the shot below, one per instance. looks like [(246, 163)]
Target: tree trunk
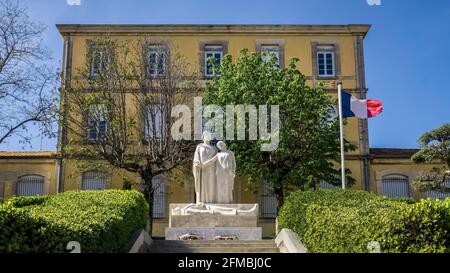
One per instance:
[(148, 194), (279, 193), (150, 215)]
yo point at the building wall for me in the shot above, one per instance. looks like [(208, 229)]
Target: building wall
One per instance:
[(295, 41), (396, 166), (12, 169)]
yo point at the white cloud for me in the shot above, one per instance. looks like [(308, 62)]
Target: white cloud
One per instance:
[(73, 2)]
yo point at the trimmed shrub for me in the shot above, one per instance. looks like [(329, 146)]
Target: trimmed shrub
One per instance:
[(293, 213), (19, 202), (340, 221), (407, 200), (101, 221)]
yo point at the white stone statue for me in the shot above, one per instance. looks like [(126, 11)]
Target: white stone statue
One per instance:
[(205, 176), (225, 165), (200, 208)]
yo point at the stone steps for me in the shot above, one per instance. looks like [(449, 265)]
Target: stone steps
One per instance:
[(261, 246)]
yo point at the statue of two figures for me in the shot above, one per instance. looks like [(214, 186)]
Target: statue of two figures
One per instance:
[(214, 172)]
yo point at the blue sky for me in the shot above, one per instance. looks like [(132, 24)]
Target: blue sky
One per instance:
[(407, 50)]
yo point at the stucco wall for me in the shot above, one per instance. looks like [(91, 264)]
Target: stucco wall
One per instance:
[(12, 169)]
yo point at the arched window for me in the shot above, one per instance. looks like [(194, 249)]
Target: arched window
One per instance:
[(93, 181), (30, 185), (396, 186)]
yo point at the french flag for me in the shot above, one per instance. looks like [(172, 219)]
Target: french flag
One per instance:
[(363, 109)]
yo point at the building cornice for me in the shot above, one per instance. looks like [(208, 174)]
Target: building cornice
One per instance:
[(27, 155), (352, 29)]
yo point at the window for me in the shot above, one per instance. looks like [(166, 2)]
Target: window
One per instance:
[(325, 61), (156, 59), (159, 196), (99, 61), (439, 195), (216, 53), (154, 121), (93, 181), (269, 50), (268, 201), (395, 186), (97, 124), (326, 185), (30, 185)]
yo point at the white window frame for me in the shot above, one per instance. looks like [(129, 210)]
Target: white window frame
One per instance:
[(96, 127), (160, 53), (213, 52), (270, 49), (325, 52), (149, 122)]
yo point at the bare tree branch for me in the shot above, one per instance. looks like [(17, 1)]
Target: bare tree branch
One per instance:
[(27, 85), (120, 108)]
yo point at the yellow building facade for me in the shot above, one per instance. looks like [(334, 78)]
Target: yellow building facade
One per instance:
[(327, 53)]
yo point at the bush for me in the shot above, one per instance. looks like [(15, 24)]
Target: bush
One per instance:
[(407, 200), (101, 221), (293, 212), (25, 201), (340, 221)]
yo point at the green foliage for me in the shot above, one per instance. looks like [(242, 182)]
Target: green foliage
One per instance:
[(406, 200), (24, 201), (435, 147), (293, 213), (101, 221), (340, 221), (309, 133)]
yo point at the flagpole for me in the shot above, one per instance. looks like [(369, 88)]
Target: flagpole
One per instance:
[(341, 129)]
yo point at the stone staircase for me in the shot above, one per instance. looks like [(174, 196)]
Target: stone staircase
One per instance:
[(200, 246)]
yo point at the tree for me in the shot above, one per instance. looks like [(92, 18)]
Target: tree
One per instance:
[(26, 82), (435, 147), (309, 133), (120, 110)]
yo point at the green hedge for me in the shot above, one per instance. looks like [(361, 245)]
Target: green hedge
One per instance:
[(101, 221), (340, 221)]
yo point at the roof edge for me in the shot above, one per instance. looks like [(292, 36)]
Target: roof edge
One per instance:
[(393, 152), (27, 155), (354, 29)]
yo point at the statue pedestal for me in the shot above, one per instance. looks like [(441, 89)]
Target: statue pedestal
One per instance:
[(231, 220)]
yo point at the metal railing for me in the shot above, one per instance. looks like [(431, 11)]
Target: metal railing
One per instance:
[(396, 186), (268, 201), (93, 181), (159, 197), (439, 195), (30, 185)]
